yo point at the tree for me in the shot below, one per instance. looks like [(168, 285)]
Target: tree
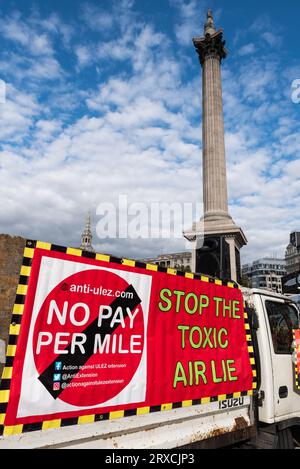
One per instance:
[(245, 281), (182, 268)]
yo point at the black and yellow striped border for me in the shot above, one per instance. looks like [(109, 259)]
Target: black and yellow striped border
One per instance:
[(297, 383), (14, 331), (250, 349)]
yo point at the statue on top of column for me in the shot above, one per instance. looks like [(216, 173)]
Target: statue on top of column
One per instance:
[(209, 27)]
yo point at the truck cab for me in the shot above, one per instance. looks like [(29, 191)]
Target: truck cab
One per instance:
[(274, 316)]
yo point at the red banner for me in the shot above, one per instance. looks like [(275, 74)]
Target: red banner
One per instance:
[(97, 335)]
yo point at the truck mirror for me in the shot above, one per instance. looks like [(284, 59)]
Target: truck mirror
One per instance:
[(253, 318)]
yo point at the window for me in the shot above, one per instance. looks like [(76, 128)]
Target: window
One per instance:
[(282, 319)]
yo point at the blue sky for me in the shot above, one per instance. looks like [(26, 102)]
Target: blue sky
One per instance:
[(104, 98)]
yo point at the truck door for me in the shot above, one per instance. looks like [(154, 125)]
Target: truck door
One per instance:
[(282, 318)]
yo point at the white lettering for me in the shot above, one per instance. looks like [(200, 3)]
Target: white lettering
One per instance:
[(98, 346), (58, 342), (102, 314), (135, 343), (132, 316), (78, 340), (86, 314), (41, 342), (118, 317), (53, 308)]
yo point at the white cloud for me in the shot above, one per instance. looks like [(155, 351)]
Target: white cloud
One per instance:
[(247, 49), (46, 68), (97, 18), (46, 130), (271, 39), (84, 55), (16, 114), (188, 24), (13, 28), (54, 25)]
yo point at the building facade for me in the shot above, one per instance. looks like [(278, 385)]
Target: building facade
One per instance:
[(265, 273), (292, 258), (179, 261), (291, 281)]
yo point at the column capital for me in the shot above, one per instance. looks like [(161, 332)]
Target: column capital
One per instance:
[(212, 45)]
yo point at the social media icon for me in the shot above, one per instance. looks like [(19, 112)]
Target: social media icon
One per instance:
[(58, 366), (56, 386), (56, 377)]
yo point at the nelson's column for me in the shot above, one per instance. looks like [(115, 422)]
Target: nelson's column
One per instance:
[(216, 238)]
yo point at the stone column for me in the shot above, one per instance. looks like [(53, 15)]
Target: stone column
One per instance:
[(214, 166), (216, 240), (211, 51)]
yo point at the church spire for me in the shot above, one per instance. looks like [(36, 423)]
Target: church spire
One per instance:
[(86, 237)]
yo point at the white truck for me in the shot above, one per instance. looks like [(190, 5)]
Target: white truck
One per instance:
[(269, 419)]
